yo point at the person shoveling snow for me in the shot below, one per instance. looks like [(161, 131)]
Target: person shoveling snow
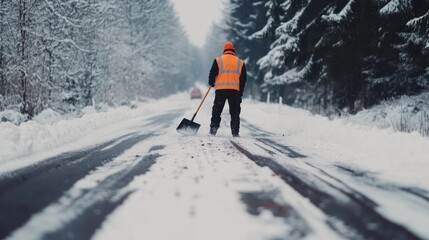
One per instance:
[(228, 75)]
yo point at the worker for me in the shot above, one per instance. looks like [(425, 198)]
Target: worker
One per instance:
[(228, 75)]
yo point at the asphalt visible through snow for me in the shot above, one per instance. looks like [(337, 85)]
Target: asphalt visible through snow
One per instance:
[(353, 218), (29, 190), (351, 214)]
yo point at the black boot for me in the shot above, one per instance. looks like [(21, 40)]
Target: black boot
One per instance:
[(213, 130), (235, 128)]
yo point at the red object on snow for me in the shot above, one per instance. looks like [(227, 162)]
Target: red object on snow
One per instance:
[(196, 93)]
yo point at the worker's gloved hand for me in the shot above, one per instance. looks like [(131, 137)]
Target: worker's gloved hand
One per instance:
[(211, 84)]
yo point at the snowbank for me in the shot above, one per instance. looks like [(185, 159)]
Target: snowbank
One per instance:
[(406, 114), (13, 117), (50, 130), (48, 116), (395, 156)]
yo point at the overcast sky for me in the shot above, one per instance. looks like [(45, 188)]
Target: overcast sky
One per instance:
[(197, 17)]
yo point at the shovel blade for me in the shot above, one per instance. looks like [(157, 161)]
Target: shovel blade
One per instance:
[(187, 127)]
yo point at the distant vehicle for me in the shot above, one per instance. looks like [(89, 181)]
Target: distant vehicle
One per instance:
[(196, 93)]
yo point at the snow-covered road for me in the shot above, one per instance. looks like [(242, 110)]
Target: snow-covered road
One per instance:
[(145, 181)]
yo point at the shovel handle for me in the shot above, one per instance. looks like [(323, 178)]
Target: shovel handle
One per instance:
[(198, 109)]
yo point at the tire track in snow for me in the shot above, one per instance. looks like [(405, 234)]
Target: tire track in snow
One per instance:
[(202, 188), (286, 206), (9, 180), (340, 185), (257, 202), (78, 217), (20, 200), (360, 175), (29, 190), (346, 215), (369, 178), (270, 199)]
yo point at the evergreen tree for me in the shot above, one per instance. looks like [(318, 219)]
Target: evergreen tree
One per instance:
[(344, 54), (398, 63), (65, 54), (245, 18), (144, 52)]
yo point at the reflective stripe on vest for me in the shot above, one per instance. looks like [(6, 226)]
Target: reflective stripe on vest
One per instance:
[(228, 78), (228, 84), (222, 70)]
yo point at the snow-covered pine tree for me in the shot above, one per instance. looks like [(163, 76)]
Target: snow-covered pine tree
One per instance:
[(23, 48), (295, 30), (338, 54), (59, 54), (175, 58), (145, 49), (399, 63), (41, 45), (2, 73), (278, 64), (351, 29), (87, 34), (418, 41), (420, 26), (245, 18), (325, 53), (4, 52)]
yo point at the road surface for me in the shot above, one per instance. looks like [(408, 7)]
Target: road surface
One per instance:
[(156, 184)]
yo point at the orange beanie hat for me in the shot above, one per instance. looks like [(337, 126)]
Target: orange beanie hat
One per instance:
[(228, 46)]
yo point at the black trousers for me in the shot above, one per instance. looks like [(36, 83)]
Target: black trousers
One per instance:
[(234, 101)]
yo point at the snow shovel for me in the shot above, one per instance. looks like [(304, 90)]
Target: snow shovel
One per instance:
[(189, 127)]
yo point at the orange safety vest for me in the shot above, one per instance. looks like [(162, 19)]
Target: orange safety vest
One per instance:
[(229, 72)]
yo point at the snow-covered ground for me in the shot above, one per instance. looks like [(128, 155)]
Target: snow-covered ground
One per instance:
[(195, 180), (399, 157), (50, 134), (404, 114)]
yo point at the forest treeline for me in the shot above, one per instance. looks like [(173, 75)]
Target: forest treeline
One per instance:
[(318, 54), (66, 54), (331, 54)]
